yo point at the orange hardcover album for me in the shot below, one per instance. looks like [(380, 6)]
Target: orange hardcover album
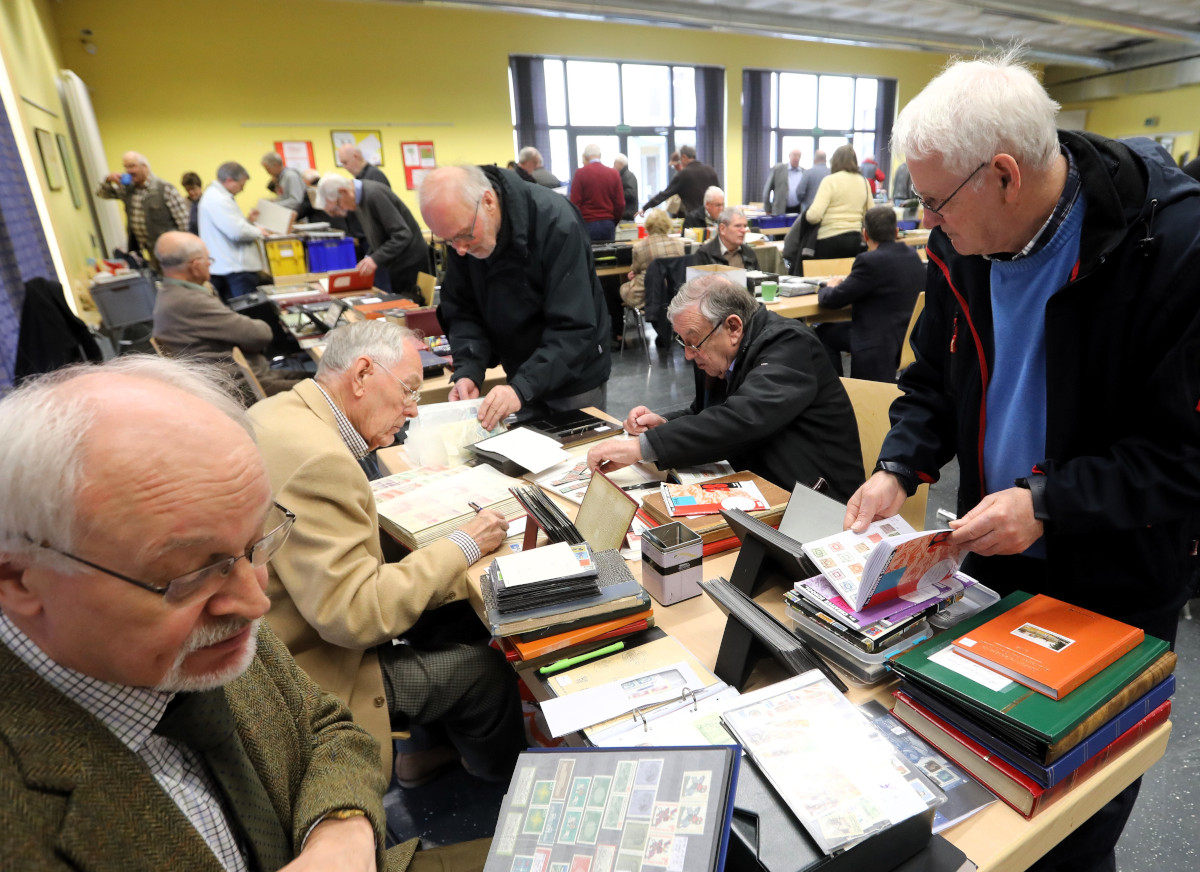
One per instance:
[(1049, 645)]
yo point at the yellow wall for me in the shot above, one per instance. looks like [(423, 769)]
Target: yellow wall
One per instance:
[(1178, 112), (188, 85)]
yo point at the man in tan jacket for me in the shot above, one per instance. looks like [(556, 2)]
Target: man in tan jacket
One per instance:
[(338, 604)]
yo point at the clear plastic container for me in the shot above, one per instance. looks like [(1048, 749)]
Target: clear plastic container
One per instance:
[(975, 598), (859, 667)]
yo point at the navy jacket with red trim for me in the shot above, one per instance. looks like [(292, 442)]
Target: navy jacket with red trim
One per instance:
[(1122, 466)]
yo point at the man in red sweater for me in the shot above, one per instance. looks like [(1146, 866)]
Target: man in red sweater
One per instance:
[(596, 191)]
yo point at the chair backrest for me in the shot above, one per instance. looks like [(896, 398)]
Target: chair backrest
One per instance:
[(427, 284), (833, 266), (906, 352), (424, 321), (248, 374), (160, 349), (871, 401)]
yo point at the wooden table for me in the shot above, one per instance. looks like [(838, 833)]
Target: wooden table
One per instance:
[(437, 389), (807, 309)]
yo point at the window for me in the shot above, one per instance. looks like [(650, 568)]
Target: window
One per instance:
[(642, 110), (810, 111)]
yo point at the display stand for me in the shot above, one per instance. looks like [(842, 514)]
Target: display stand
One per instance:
[(739, 652)]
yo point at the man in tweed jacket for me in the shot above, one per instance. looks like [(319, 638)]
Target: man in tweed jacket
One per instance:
[(116, 483)]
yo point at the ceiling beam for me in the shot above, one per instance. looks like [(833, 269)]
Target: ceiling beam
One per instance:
[(1091, 17)]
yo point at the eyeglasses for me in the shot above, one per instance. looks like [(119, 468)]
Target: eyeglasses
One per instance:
[(414, 396), (679, 339), (184, 587), (937, 210), (467, 235)]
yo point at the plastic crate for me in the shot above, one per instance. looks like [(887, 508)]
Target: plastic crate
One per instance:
[(285, 255), (907, 225), (327, 255), (769, 222)]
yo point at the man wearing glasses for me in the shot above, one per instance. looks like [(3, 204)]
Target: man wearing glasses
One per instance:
[(338, 603), (767, 399), (1056, 358), (520, 290), (147, 718)]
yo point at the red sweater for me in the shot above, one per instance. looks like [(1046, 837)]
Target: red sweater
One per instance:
[(596, 190)]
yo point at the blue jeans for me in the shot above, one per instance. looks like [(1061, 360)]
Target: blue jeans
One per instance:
[(235, 284), (602, 231)]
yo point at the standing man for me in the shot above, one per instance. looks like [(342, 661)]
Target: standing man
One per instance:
[(152, 206), (395, 241), (530, 160), (1057, 358), (232, 238), (728, 246), (779, 194), (629, 185), (520, 289), (810, 181), (351, 158), (290, 190), (597, 193), (883, 286), (690, 183)]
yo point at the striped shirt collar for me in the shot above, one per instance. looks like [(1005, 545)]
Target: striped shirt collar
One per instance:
[(1066, 200), (353, 439), (129, 713)]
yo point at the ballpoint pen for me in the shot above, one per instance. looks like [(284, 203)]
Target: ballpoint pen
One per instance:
[(478, 508), (560, 665)]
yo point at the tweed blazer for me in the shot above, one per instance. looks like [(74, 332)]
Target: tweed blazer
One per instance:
[(75, 798), (333, 598)]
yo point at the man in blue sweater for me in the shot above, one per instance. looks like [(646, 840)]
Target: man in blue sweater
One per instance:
[(1057, 357)]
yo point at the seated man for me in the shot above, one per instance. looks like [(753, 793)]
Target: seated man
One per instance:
[(146, 719), (883, 286), (728, 246), (338, 604), (707, 215), (189, 320), (766, 398)]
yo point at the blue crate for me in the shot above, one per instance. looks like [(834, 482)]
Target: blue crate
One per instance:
[(907, 225), (768, 222), (327, 255)]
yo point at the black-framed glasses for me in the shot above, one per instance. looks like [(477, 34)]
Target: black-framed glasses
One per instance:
[(184, 587), (415, 396), (937, 210), (467, 235), (679, 339)]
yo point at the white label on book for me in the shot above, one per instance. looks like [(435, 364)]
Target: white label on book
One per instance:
[(955, 662)]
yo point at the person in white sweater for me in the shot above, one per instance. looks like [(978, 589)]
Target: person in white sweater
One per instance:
[(841, 201)]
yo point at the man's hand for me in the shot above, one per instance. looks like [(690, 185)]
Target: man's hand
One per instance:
[(488, 529), (881, 497), (366, 266), (337, 846), (631, 275), (640, 419), (500, 402), (833, 281), (463, 389), (1002, 523), (115, 178), (612, 454), (253, 216)]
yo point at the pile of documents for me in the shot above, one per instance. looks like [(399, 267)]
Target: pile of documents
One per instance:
[(423, 505)]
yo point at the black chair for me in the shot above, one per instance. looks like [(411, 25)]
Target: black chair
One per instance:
[(664, 277)]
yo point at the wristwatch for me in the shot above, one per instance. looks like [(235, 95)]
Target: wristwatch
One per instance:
[(907, 478), (342, 814)]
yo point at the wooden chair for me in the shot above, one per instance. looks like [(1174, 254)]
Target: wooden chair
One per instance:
[(906, 353), (159, 349), (833, 266), (248, 374), (871, 401), (427, 284)]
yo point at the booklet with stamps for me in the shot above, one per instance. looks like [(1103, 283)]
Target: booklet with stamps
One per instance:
[(621, 810)]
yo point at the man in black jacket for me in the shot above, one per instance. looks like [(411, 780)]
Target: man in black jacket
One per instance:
[(690, 183), (767, 399), (708, 215), (629, 185), (521, 290), (882, 286), (1058, 356), (728, 247)]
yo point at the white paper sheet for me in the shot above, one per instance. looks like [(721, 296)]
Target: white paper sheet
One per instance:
[(575, 711), (273, 217), (528, 448)]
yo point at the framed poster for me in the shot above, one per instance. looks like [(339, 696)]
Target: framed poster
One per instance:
[(297, 153), (50, 164), (419, 160), (370, 141), (64, 151)]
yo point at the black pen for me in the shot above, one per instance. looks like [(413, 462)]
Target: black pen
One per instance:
[(478, 508), (643, 486)]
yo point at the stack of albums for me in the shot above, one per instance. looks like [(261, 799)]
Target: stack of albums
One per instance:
[(622, 810)]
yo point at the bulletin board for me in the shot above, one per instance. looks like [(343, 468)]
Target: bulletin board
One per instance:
[(296, 153), (419, 161)]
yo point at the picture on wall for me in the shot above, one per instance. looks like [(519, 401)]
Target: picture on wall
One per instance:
[(64, 151), (370, 141), (50, 164), (298, 153)]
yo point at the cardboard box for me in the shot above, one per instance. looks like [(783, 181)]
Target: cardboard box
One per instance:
[(671, 562), (733, 273)]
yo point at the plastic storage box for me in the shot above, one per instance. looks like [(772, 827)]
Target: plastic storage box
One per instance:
[(327, 255), (285, 255)]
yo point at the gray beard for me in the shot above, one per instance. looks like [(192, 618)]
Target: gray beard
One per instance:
[(177, 681)]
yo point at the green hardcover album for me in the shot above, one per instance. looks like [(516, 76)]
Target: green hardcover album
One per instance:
[(1026, 711)]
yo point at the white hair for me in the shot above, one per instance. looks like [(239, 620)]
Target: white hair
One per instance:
[(42, 439), (590, 151), (469, 186), (529, 153), (712, 192), (974, 110), (620, 161), (138, 158), (329, 186), (381, 340)]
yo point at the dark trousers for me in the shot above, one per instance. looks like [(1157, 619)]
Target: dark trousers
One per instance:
[(611, 285), (235, 284), (602, 231), (842, 245), (835, 337), (443, 675)]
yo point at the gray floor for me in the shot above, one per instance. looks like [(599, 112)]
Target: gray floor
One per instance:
[(1160, 836)]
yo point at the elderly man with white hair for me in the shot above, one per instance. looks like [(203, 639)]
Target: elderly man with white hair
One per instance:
[(597, 193), (290, 190), (395, 243), (629, 185), (530, 160), (708, 214), (351, 157), (152, 206)]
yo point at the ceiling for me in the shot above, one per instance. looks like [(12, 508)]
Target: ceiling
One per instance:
[(1096, 35)]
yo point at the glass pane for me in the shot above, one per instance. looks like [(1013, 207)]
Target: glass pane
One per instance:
[(556, 96), (774, 99), (837, 103), (609, 147), (647, 95), (866, 98), (686, 137), (804, 143), (830, 144), (864, 146), (512, 98), (648, 161), (774, 147), (558, 161), (592, 92), (684, 81), (798, 101)]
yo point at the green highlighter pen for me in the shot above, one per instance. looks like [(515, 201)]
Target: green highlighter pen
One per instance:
[(582, 658)]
